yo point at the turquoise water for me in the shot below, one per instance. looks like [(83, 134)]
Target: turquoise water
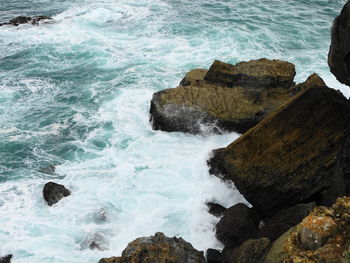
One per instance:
[(75, 94)]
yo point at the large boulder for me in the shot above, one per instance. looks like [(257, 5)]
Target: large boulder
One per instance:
[(6, 259), (238, 224), (35, 20), (291, 156), (158, 249), (339, 52), (323, 236), (224, 98), (53, 192)]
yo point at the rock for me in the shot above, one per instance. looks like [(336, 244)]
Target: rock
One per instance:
[(339, 52), (238, 224), (251, 251), (6, 259), (216, 209), (213, 256), (95, 241), (26, 20), (256, 73), (291, 156), (273, 231), (227, 98), (158, 249), (330, 227), (53, 192), (50, 169)]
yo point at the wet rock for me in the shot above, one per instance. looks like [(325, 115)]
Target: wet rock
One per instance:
[(226, 98), (35, 20), (251, 251), (238, 224), (273, 231), (6, 259), (50, 169), (216, 209), (291, 156), (158, 248), (95, 241), (53, 192), (213, 256), (339, 53)]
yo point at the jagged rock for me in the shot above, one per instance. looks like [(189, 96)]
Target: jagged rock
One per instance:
[(213, 256), (330, 227), (216, 209), (6, 259), (226, 98), (238, 224), (158, 249), (251, 251), (339, 52), (26, 20), (53, 192), (290, 156)]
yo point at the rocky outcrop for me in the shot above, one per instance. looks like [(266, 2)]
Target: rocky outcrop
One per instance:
[(291, 156), (158, 249), (224, 98), (339, 53), (323, 236), (238, 224), (213, 256), (216, 209), (6, 259), (53, 192), (35, 20)]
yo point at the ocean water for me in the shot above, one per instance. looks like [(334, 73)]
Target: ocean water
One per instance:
[(75, 94)]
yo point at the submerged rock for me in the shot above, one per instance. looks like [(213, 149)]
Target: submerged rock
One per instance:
[(238, 224), (158, 249), (95, 241), (339, 52), (53, 192), (6, 259), (291, 156), (27, 20), (224, 98)]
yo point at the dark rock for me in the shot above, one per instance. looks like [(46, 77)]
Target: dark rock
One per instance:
[(216, 209), (6, 259), (291, 156), (212, 104), (273, 231), (213, 256), (256, 73), (251, 251), (339, 52), (51, 169), (158, 248), (26, 20), (238, 224), (53, 192)]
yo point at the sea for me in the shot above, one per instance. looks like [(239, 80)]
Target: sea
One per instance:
[(75, 95)]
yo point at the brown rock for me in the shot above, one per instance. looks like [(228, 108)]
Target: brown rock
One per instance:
[(290, 156), (195, 77), (158, 249)]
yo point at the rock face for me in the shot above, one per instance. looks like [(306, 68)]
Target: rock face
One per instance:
[(291, 156), (224, 98), (26, 20), (213, 256), (238, 224), (323, 236), (216, 209), (6, 259), (53, 193), (339, 53), (158, 249)]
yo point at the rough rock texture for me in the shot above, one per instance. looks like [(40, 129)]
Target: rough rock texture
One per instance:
[(6, 259), (26, 20), (158, 249), (330, 227), (216, 209), (53, 192), (339, 53), (238, 224), (213, 256), (291, 156), (226, 98), (251, 251)]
